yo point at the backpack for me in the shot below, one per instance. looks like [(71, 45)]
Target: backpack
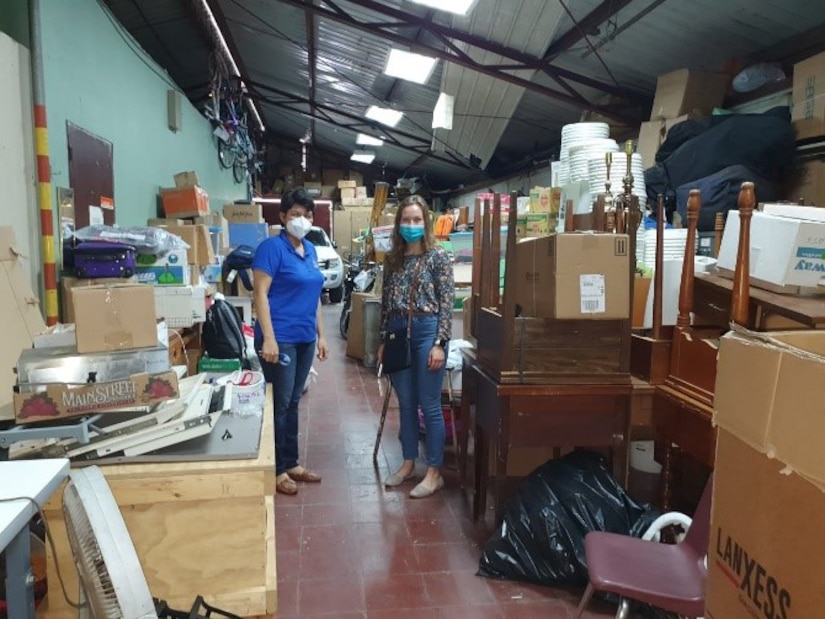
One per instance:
[(240, 260), (222, 333)]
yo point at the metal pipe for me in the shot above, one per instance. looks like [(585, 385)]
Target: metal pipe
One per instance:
[(44, 180)]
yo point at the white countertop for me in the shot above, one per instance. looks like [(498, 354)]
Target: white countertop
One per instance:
[(37, 479)]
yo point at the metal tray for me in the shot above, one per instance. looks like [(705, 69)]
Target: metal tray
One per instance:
[(37, 367)]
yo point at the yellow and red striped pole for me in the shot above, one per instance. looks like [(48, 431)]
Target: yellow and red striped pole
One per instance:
[(44, 176), (44, 200)]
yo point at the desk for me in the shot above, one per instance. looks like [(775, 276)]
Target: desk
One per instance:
[(515, 415), (37, 480), (767, 311), (199, 528), (688, 424)]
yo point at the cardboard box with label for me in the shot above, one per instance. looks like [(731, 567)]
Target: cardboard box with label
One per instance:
[(115, 317), (545, 200), (20, 315), (243, 213), (769, 486), (59, 401), (685, 91), (171, 269), (574, 276), (808, 112), (200, 243), (786, 253)]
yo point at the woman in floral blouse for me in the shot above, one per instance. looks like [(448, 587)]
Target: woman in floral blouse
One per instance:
[(416, 265)]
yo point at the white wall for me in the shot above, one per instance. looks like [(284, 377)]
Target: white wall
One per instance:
[(18, 204)]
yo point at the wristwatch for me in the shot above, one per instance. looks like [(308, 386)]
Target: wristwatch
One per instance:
[(440, 342)]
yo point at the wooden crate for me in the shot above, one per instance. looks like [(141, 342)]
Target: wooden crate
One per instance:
[(199, 528), (550, 351)]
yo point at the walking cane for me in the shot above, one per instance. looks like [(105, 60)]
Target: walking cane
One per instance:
[(381, 423)]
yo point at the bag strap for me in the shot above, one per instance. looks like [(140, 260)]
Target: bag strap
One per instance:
[(413, 290)]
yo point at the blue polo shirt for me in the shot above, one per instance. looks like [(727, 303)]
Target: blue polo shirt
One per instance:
[(297, 283)]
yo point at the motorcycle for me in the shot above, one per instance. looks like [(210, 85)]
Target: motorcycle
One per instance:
[(360, 277)]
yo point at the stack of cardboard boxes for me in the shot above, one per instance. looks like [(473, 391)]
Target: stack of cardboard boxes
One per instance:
[(680, 95), (807, 182)]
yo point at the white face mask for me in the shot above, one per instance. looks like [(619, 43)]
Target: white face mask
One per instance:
[(298, 227)]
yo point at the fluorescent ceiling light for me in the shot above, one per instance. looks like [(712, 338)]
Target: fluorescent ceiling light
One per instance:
[(364, 156), (368, 140), (459, 7), (384, 115), (443, 112), (409, 66)]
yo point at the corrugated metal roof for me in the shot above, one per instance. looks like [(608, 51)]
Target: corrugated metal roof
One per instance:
[(494, 120)]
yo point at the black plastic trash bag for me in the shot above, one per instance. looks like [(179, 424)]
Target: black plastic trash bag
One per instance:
[(541, 539)]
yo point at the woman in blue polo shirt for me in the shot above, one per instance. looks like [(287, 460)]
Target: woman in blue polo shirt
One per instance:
[(288, 286)]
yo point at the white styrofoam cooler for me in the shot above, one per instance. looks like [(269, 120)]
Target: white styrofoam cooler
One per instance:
[(180, 306), (785, 252)]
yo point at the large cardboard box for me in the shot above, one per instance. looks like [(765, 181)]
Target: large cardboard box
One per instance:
[(786, 254), (199, 241), (574, 276), (769, 486), (808, 113), (115, 317), (356, 334), (184, 202), (652, 135), (243, 213), (68, 285), (685, 91), (19, 314), (347, 225), (806, 183), (180, 306)]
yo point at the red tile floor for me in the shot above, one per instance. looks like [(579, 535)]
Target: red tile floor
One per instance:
[(350, 549)]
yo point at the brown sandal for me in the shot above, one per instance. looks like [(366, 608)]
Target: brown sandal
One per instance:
[(286, 485), (305, 475)]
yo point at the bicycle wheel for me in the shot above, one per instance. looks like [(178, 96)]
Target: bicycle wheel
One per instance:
[(239, 170), (226, 154)]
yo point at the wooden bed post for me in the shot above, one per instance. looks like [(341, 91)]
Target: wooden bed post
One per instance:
[(688, 268), (740, 301), (658, 275), (475, 286), (719, 230)]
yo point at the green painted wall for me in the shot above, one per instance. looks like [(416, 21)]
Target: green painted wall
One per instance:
[(14, 20), (98, 77)]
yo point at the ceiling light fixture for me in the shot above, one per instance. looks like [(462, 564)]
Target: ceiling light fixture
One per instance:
[(233, 66), (443, 112), (409, 66), (363, 156), (384, 115), (368, 140), (459, 7)]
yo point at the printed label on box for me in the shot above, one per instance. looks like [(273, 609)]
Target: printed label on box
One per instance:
[(591, 292)]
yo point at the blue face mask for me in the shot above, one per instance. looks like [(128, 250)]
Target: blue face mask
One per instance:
[(411, 234)]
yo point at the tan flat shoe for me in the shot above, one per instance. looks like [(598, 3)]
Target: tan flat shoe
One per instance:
[(285, 485), (304, 475), (395, 479), (422, 491)]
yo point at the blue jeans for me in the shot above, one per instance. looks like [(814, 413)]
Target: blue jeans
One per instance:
[(418, 386), (287, 388)]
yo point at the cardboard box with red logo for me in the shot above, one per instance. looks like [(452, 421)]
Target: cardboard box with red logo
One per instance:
[(766, 545)]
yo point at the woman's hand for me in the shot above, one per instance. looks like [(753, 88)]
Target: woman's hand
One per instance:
[(323, 351), (435, 360), (269, 351)]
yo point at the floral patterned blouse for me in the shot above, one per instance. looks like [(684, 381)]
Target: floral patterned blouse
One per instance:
[(434, 295)]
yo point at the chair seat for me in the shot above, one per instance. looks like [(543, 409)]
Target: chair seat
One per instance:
[(667, 576)]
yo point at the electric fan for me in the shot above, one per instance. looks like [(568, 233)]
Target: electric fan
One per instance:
[(112, 583)]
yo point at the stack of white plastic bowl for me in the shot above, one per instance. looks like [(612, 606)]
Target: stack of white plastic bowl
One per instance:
[(577, 134), (597, 174), (579, 156)]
